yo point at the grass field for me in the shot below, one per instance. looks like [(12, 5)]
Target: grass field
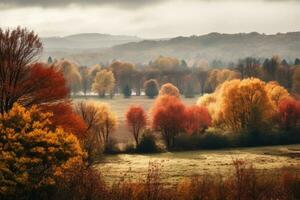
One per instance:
[(178, 165), (120, 105)]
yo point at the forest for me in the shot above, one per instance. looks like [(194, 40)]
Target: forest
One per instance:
[(55, 128)]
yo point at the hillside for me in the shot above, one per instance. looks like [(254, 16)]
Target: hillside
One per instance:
[(225, 47)]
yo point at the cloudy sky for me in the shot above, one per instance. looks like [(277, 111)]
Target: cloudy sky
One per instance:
[(151, 18)]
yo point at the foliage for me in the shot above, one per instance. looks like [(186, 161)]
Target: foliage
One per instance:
[(103, 82), (136, 119), (71, 73), (196, 120), (151, 88), (14, 67), (296, 80), (167, 117), (100, 121), (33, 154), (219, 76), (169, 89), (289, 113), (147, 144)]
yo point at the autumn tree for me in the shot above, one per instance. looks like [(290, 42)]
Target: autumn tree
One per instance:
[(167, 118), (18, 49), (289, 113), (276, 92), (123, 72), (189, 87), (85, 79), (296, 80), (219, 76), (71, 73), (197, 119), (151, 88), (241, 106), (169, 89), (103, 82), (100, 124), (33, 154), (136, 119), (202, 76)]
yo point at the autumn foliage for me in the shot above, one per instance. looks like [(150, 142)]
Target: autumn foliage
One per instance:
[(136, 119), (196, 119), (169, 89), (171, 117), (289, 113), (33, 153)]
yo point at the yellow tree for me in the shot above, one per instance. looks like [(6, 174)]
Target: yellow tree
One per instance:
[(103, 82), (100, 122), (33, 154), (246, 105), (219, 76), (169, 89)]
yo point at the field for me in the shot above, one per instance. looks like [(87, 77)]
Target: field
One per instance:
[(178, 165), (120, 105)]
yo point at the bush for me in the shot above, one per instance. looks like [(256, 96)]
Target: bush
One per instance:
[(205, 141), (151, 88), (147, 144)]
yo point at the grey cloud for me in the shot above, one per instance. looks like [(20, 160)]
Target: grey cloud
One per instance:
[(118, 3), (64, 3)]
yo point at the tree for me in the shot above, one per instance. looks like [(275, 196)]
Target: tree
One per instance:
[(289, 113), (33, 154), (202, 77), (240, 105), (127, 91), (71, 73), (196, 120), (85, 79), (219, 76), (103, 82), (169, 89), (276, 92), (189, 88), (18, 49), (124, 73), (136, 119), (50, 60), (249, 67), (100, 123), (167, 117), (296, 80), (151, 88), (270, 67)]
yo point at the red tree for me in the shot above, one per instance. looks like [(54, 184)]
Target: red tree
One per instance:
[(167, 117), (136, 120), (289, 113), (196, 119)]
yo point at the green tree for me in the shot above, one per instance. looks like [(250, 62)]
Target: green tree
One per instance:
[(151, 88)]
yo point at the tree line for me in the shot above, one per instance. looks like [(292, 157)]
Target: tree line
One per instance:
[(127, 78)]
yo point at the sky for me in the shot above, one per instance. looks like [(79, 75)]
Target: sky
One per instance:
[(151, 18)]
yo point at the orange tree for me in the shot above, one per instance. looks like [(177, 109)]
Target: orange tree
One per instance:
[(33, 153)]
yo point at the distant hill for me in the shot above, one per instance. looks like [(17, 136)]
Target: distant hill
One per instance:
[(82, 42), (225, 47)]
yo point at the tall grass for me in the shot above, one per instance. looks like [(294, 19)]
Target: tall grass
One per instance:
[(244, 183)]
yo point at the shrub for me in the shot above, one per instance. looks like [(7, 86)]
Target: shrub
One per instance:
[(151, 88), (147, 144)]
